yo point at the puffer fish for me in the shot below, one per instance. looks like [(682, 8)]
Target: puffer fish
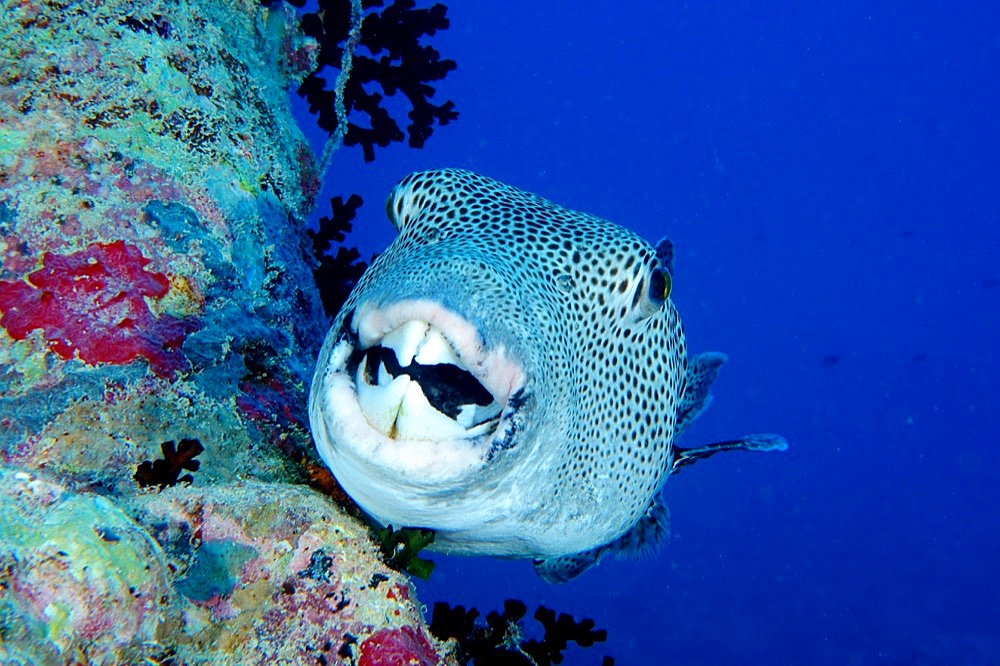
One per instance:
[(513, 375)]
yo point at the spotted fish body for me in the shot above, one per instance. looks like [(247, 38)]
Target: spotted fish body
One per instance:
[(513, 375)]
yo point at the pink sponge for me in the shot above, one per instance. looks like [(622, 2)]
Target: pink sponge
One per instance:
[(92, 302)]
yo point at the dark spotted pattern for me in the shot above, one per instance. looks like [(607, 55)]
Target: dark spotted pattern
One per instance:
[(580, 302)]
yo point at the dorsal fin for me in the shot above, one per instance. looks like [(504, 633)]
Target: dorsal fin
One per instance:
[(665, 254), (701, 372)]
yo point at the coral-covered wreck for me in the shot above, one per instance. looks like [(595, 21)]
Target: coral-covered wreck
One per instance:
[(156, 287)]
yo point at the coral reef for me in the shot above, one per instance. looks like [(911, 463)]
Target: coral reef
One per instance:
[(246, 573), (79, 579), (93, 303), (156, 287)]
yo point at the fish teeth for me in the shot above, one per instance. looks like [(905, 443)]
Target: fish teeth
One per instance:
[(384, 376), (380, 404), (418, 420), (398, 408), (418, 340), (405, 340), (471, 416), (435, 350)]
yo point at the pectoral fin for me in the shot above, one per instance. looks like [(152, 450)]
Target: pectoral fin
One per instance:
[(767, 442)]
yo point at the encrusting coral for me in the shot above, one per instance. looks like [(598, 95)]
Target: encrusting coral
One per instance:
[(92, 303)]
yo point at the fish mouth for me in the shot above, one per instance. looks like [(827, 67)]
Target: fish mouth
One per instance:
[(422, 373), (411, 385)]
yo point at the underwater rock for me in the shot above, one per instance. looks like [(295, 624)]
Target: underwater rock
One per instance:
[(77, 576), (156, 287), (153, 186)]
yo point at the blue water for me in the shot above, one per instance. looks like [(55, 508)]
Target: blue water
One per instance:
[(830, 176)]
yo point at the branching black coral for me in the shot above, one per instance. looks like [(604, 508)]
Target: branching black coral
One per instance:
[(336, 227), (500, 641), (396, 61), (336, 275), (558, 632), (167, 471)]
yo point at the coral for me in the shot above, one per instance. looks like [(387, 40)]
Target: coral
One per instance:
[(77, 575), (93, 303), (267, 398), (336, 227), (407, 67), (501, 640), (240, 573), (278, 574), (558, 632), (167, 471), (336, 275)]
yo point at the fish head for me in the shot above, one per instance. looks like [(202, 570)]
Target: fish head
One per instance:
[(505, 373)]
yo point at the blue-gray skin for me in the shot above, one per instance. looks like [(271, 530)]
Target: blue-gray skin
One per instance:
[(512, 375)]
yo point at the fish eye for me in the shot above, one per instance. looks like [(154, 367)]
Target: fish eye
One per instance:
[(660, 285), (652, 291)]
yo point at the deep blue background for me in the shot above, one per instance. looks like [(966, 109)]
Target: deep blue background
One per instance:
[(830, 175)]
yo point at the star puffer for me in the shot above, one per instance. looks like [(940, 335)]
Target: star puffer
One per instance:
[(513, 375)]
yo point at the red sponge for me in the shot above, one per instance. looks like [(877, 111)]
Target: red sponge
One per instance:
[(92, 302)]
